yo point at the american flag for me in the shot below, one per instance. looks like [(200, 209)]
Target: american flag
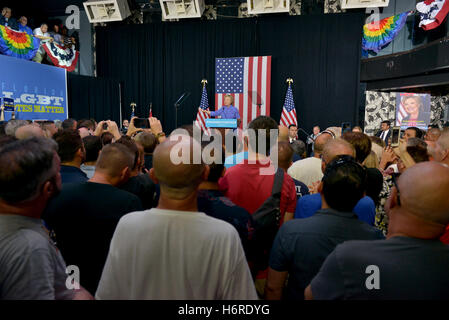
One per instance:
[(401, 114), (288, 115), (248, 80), (202, 116)]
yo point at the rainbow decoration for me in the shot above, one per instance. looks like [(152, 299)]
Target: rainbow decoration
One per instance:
[(18, 44), (378, 34)]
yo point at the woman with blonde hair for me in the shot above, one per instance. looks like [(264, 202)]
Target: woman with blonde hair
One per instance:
[(413, 105), (228, 111)]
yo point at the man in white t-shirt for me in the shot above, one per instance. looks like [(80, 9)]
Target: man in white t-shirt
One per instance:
[(309, 170), (173, 251), (42, 34)]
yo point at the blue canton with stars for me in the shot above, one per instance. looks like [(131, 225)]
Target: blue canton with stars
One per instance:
[(229, 75), (289, 105)]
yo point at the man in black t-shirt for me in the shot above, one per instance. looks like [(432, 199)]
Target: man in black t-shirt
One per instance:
[(213, 202), (302, 245), (139, 183), (84, 215), (412, 263)]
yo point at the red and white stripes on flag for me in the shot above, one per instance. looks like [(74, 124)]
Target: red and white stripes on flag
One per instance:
[(202, 116), (432, 13), (401, 114), (288, 115), (248, 81)]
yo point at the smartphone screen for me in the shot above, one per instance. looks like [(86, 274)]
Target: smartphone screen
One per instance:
[(396, 134), (141, 123), (105, 126)]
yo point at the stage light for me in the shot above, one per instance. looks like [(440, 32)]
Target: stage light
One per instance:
[(182, 9), (357, 4), (268, 6), (106, 10)]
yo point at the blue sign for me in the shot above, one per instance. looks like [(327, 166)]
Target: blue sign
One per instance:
[(39, 92), (8, 104), (221, 123)]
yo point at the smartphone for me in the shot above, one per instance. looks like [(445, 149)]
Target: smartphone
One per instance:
[(142, 123), (395, 136), (345, 127), (105, 126)]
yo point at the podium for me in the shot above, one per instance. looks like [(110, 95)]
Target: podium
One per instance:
[(221, 123), (222, 126)]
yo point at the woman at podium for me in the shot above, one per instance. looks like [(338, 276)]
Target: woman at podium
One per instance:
[(228, 111)]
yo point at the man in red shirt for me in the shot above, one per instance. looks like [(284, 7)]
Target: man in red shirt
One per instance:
[(248, 184)]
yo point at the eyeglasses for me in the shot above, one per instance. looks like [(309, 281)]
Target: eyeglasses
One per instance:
[(398, 195)]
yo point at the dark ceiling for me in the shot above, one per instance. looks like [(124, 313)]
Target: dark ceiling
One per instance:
[(57, 7)]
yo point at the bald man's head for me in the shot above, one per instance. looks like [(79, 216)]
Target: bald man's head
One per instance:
[(423, 190), (29, 131), (320, 141), (114, 160), (335, 148), (177, 181), (440, 151)]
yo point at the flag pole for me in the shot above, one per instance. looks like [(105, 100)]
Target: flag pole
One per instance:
[(204, 82), (133, 107), (289, 81)]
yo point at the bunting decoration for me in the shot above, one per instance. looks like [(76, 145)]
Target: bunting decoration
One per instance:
[(63, 58), (432, 13), (18, 44), (378, 34)]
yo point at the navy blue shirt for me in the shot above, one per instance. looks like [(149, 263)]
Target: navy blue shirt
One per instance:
[(308, 205), (215, 204), (408, 269), (70, 174), (301, 189), (302, 245)]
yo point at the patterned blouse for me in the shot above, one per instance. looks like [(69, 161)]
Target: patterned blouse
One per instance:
[(381, 219)]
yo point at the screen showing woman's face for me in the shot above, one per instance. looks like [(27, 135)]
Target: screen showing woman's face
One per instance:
[(411, 106), (227, 101)]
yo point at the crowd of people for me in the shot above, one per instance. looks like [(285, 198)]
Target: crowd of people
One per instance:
[(57, 33), (351, 218)]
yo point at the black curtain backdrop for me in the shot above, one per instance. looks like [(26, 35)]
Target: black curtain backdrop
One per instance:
[(96, 98), (158, 62)]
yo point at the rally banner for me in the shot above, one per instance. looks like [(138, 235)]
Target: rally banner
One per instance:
[(63, 58), (39, 91)]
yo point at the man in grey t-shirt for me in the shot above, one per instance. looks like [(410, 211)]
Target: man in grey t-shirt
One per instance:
[(31, 267), (412, 263)]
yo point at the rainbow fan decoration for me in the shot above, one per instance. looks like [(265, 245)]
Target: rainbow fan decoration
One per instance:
[(18, 44), (378, 34)]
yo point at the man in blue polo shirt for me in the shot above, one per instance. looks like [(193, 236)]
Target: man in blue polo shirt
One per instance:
[(306, 206), (302, 245)]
